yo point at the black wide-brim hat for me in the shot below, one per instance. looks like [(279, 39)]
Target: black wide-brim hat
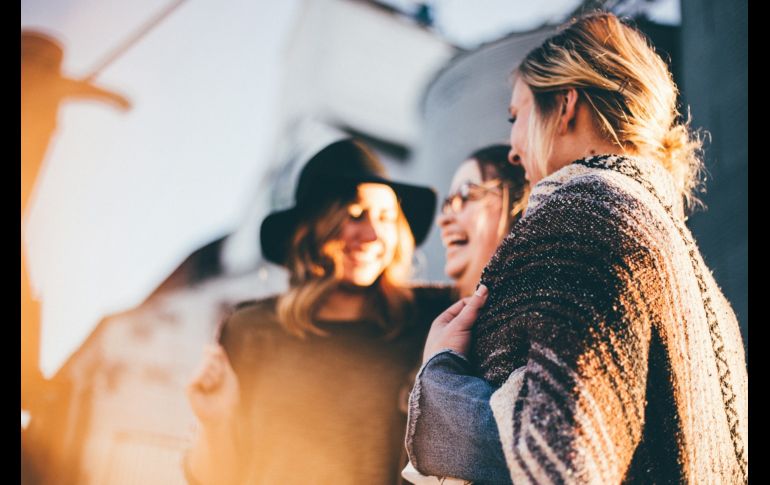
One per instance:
[(333, 174)]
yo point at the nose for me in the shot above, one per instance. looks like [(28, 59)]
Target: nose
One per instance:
[(445, 218), (366, 231)]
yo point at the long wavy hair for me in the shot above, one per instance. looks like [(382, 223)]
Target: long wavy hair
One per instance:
[(628, 87), (315, 270)]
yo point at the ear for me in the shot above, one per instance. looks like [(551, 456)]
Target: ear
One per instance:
[(568, 99)]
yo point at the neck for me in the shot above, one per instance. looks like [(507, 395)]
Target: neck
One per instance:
[(344, 303), (466, 288), (588, 147), (583, 140)]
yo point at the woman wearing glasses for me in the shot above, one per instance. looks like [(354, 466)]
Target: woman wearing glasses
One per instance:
[(487, 196), (603, 350)]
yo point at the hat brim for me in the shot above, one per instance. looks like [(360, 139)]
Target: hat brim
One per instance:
[(57, 87), (418, 204), (275, 234), (84, 89)]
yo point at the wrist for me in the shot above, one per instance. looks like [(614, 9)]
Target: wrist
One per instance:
[(447, 349)]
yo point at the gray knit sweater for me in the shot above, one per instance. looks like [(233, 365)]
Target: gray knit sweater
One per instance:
[(618, 358)]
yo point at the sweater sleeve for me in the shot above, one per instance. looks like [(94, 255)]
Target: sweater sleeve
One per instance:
[(568, 297)]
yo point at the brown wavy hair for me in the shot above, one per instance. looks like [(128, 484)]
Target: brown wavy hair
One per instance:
[(628, 87)]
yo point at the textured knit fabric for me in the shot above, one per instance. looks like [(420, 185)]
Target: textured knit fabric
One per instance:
[(324, 409), (629, 364)]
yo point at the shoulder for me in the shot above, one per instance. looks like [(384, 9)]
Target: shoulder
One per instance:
[(591, 222), (596, 207), (425, 291), (433, 298), (578, 189), (248, 319), (610, 190), (428, 293), (251, 308)]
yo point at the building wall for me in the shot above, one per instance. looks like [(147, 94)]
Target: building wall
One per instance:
[(715, 86), (350, 66), (463, 109)]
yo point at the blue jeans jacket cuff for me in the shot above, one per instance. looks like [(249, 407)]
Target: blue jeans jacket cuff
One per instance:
[(451, 430), (414, 398)]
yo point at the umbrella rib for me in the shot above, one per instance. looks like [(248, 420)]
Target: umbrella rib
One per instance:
[(133, 39)]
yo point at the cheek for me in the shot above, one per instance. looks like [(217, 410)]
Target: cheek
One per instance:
[(486, 233), (517, 138), (477, 222), (485, 227), (389, 238), (346, 233), (467, 218)]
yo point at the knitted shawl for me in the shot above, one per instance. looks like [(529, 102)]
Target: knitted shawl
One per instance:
[(619, 359)]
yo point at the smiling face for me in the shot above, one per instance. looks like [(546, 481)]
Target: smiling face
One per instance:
[(470, 233), (369, 235)]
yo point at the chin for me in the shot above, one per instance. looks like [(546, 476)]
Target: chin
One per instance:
[(454, 271), (363, 278)]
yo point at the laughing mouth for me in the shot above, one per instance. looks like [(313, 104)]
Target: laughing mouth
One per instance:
[(455, 241), (364, 258)]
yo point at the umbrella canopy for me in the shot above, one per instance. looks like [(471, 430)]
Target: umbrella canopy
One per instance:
[(123, 198)]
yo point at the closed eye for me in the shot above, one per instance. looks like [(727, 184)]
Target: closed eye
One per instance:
[(356, 212)]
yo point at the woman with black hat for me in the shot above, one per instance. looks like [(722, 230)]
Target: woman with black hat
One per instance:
[(306, 386)]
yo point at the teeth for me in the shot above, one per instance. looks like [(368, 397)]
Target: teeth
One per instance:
[(455, 240), (363, 257)]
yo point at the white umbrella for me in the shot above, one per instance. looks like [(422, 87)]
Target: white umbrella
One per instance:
[(126, 197)]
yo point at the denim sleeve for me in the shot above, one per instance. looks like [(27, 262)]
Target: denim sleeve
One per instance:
[(451, 431)]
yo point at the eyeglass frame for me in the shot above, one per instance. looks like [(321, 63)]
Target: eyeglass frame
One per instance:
[(464, 194)]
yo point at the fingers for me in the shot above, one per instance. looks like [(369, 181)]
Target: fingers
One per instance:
[(204, 380), (467, 315), (212, 370)]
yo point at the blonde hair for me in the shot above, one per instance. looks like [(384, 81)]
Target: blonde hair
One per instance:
[(315, 270), (628, 87)]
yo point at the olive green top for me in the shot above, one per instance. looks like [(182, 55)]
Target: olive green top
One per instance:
[(325, 409)]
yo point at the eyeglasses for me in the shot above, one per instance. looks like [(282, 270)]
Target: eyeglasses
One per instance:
[(455, 203)]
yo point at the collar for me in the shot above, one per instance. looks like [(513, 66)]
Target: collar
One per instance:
[(652, 176)]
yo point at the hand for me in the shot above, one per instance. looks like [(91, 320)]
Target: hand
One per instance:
[(213, 391), (452, 329)]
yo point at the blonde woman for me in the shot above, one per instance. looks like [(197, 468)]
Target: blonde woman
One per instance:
[(603, 349), (305, 387)]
